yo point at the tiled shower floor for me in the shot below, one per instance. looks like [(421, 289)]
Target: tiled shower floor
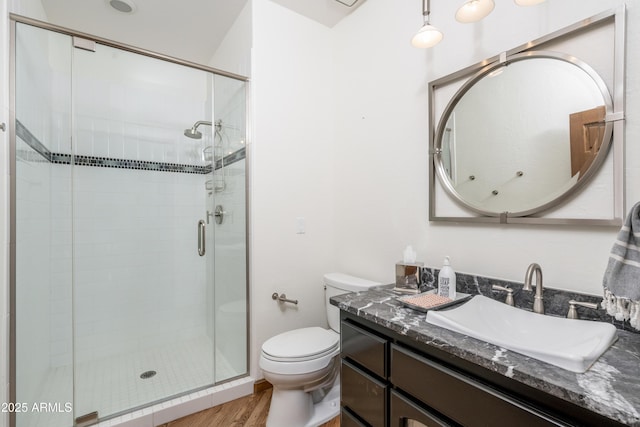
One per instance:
[(113, 385)]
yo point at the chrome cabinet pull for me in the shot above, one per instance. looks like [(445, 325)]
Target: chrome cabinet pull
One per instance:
[(201, 238)]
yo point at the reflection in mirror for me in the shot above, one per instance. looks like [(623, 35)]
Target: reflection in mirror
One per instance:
[(519, 136), (586, 131)]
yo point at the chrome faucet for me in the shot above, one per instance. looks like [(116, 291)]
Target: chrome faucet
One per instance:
[(538, 303)]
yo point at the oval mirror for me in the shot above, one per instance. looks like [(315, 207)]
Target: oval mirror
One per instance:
[(522, 135)]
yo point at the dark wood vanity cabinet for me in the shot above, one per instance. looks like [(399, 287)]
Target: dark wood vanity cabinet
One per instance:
[(388, 379), (364, 391)]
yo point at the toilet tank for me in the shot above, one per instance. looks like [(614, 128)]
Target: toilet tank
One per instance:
[(337, 284)]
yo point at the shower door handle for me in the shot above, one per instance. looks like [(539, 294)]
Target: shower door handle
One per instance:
[(201, 238)]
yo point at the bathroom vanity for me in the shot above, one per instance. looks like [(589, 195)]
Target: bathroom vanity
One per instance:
[(398, 370)]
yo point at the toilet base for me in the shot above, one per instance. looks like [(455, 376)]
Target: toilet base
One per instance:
[(295, 408)]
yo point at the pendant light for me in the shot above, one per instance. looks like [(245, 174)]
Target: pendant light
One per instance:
[(474, 10), (527, 2), (428, 35), (348, 3)]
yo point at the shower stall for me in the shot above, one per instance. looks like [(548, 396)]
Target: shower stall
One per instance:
[(129, 233)]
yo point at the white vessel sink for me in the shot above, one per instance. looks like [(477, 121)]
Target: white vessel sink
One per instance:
[(568, 343)]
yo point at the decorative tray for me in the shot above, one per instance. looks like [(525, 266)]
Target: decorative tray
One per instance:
[(430, 300)]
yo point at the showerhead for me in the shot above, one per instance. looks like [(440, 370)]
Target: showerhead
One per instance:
[(193, 132)]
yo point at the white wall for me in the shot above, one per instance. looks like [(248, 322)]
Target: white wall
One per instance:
[(30, 8), (382, 131), (234, 52), (341, 138), (292, 172)]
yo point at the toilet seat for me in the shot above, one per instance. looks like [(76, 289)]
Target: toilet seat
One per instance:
[(301, 344), (300, 350)]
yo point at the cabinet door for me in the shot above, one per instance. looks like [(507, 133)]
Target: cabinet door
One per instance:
[(405, 413)]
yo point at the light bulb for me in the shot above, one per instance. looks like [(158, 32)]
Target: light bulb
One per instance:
[(474, 10), (527, 2), (427, 36)]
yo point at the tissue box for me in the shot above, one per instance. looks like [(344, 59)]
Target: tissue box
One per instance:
[(408, 277)]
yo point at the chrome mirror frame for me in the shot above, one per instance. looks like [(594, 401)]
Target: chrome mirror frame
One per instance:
[(613, 139), (599, 159)]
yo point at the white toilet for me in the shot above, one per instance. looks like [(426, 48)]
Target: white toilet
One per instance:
[(303, 364)]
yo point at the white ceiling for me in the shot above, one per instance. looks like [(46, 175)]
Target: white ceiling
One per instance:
[(187, 29), (327, 12)]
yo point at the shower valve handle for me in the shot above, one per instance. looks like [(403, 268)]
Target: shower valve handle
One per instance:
[(219, 214)]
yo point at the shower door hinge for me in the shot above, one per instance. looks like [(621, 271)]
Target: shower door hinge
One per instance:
[(87, 420), (84, 44)]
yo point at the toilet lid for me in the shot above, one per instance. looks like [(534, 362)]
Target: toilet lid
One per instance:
[(301, 344)]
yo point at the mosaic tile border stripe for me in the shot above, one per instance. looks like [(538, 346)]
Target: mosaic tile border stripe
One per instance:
[(232, 158), (107, 162), (32, 141)]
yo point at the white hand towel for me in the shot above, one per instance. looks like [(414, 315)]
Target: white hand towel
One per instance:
[(622, 277)]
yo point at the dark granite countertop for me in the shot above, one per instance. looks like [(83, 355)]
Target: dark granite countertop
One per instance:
[(611, 387)]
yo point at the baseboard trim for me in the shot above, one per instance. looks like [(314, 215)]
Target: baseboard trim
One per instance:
[(261, 385)]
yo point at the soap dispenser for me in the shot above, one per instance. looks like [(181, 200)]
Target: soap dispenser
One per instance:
[(447, 280)]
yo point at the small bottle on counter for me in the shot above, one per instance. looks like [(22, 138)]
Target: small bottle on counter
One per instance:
[(447, 280)]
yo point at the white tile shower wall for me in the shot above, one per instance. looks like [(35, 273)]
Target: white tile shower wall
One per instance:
[(32, 274), (61, 262), (230, 108), (146, 106), (139, 281), (43, 331), (121, 139), (43, 70)]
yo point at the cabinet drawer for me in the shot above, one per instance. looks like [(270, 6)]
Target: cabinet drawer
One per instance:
[(365, 348), (406, 413), (458, 397), (348, 420), (363, 394)]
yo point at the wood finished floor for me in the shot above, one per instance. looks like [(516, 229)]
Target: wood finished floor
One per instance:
[(248, 411)]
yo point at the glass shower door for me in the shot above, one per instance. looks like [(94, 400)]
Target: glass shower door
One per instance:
[(142, 294), (228, 195), (42, 215), (130, 229)]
